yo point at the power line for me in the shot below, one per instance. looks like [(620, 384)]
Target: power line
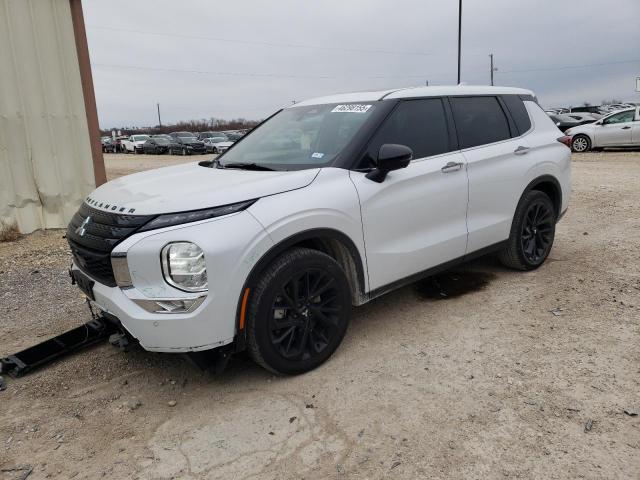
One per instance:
[(568, 67), (256, 42), (250, 74)]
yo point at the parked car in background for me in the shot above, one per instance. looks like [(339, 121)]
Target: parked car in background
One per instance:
[(235, 136), (185, 143), (556, 111), (586, 109), (584, 117), (204, 135), (109, 145), (162, 135), (563, 121), (619, 129), (157, 145), (134, 143), (217, 144)]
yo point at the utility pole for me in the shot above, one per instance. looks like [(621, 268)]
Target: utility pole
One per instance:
[(459, 37), (427, 83), (491, 57), (159, 121)]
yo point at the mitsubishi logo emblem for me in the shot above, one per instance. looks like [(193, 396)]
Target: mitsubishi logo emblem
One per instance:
[(82, 229)]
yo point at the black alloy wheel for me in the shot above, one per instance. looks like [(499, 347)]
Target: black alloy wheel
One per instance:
[(532, 232), (303, 315), (537, 228), (298, 312)]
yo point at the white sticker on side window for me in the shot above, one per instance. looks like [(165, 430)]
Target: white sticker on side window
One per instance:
[(352, 108)]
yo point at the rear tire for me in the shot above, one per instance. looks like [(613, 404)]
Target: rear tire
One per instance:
[(298, 312), (580, 144), (532, 232)]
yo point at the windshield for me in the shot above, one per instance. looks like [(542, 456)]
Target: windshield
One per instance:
[(137, 138), (301, 137), (161, 141)]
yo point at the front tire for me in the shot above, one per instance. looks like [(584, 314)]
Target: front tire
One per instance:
[(532, 232), (580, 144), (298, 312)]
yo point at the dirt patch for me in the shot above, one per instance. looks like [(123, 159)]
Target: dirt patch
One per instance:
[(488, 384)]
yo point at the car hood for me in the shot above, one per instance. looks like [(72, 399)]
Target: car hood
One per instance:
[(222, 144), (191, 187)]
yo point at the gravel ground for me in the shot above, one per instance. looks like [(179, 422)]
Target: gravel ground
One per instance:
[(487, 382)]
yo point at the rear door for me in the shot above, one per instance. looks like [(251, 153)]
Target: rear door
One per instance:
[(485, 133), (615, 130), (416, 218)]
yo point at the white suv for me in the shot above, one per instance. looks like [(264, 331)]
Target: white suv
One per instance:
[(327, 204)]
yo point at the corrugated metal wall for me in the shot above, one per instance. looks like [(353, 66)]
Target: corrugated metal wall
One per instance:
[(46, 167)]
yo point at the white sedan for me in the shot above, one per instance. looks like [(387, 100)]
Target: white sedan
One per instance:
[(619, 129), (216, 144)]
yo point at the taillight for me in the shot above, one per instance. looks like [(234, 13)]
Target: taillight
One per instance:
[(566, 139)]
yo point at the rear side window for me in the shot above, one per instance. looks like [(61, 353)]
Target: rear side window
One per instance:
[(419, 124), (479, 121), (518, 112)]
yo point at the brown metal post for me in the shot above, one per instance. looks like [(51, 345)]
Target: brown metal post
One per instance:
[(86, 78)]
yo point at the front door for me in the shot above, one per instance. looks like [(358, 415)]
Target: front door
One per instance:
[(416, 218), (615, 129)]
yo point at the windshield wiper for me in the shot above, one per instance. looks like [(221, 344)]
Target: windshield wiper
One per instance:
[(246, 166)]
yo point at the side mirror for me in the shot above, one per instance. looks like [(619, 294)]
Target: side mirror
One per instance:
[(391, 156)]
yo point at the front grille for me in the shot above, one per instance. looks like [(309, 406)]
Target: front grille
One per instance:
[(92, 241)]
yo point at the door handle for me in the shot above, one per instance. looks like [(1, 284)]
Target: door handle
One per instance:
[(521, 150), (625, 128), (451, 167)]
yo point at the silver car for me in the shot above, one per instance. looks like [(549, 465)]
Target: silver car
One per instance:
[(217, 144), (618, 129)]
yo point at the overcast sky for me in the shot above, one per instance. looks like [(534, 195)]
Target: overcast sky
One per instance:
[(247, 58)]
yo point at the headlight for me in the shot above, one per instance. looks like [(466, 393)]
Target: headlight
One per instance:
[(171, 219), (183, 266)]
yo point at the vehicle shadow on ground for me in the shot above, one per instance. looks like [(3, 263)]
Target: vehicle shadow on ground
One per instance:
[(463, 280)]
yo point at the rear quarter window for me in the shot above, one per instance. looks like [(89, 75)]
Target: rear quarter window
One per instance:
[(518, 112)]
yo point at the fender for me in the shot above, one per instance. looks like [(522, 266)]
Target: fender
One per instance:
[(312, 235), (556, 194)]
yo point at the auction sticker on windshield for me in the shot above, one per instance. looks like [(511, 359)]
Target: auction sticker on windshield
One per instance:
[(353, 108)]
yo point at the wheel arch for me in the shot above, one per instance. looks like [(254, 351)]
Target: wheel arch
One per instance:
[(549, 185), (333, 242)]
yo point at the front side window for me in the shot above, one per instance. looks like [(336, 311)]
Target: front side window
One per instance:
[(622, 117), (301, 137), (479, 121), (420, 125)]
